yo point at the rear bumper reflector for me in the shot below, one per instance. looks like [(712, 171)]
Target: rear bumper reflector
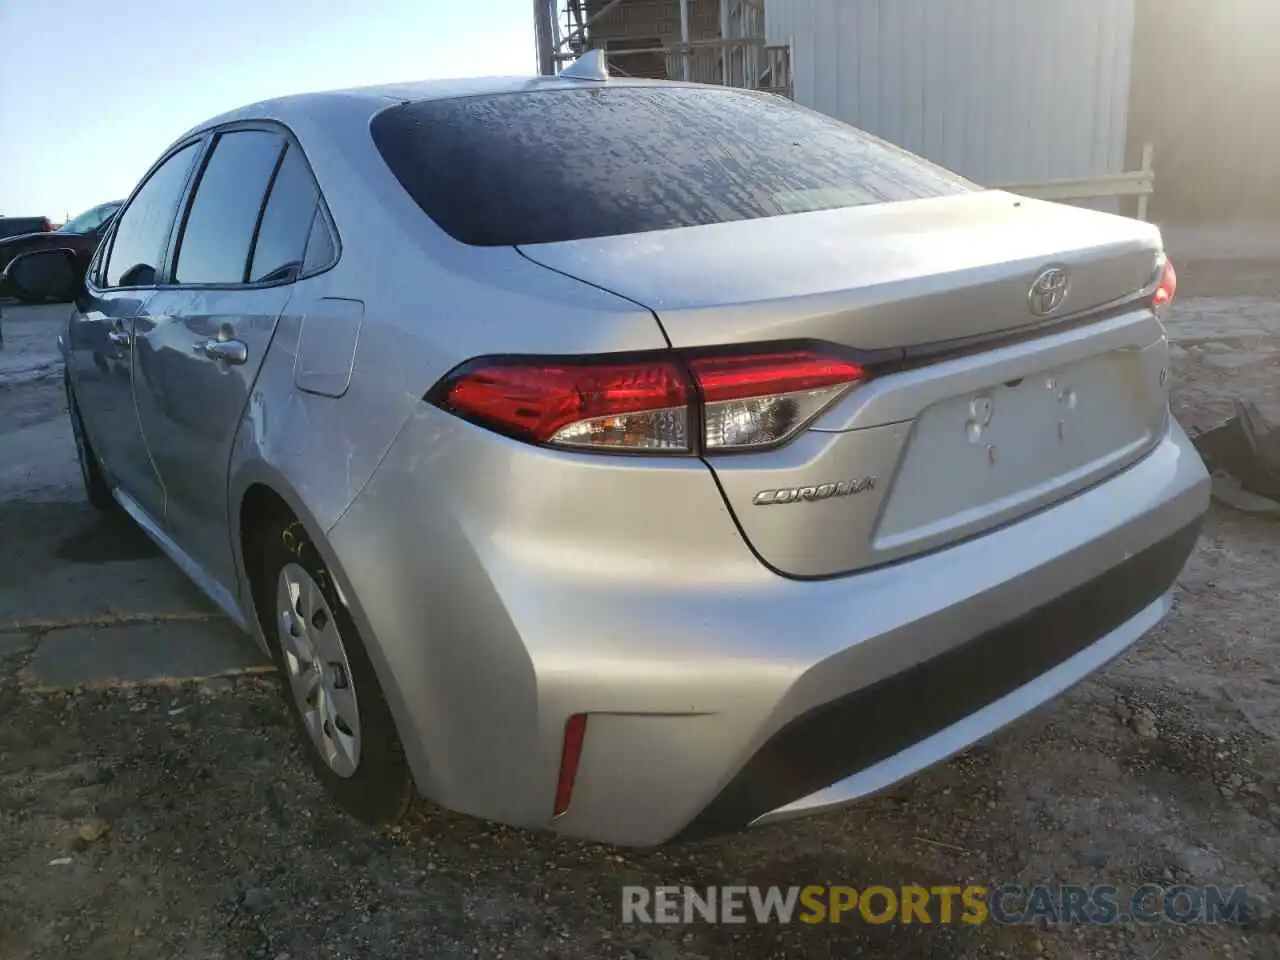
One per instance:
[(575, 729)]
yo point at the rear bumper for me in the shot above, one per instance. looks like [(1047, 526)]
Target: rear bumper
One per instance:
[(873, 737), (718, 694)]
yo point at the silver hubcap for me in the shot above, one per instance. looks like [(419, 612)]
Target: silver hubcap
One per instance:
[(317, 669)]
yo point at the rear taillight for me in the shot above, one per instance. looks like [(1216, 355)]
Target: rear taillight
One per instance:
[(1166, 285), (619, 406), (711, 402), (759, 400)]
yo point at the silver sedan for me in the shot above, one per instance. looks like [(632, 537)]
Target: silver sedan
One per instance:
[(633, 460)]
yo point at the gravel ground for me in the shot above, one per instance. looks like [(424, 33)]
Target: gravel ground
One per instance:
[(179, 820)]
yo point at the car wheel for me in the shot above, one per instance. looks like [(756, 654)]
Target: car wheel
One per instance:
[(95, 484), (328, 683)]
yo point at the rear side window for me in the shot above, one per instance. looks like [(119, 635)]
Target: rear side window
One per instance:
[(286, 221), (322, 248), (571, 164), (143, 228), (224, 212)]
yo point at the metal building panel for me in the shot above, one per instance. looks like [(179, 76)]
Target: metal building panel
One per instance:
[(998, 90)]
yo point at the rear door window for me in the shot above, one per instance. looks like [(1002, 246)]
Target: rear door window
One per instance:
[(220, 225), (569, 164)]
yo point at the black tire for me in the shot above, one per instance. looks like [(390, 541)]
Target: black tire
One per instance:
[(96, 489), (380, 791)]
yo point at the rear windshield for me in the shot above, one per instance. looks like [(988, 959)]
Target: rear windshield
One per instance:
[(542, 167)]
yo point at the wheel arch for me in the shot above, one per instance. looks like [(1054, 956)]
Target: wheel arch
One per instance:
[(261, 496)]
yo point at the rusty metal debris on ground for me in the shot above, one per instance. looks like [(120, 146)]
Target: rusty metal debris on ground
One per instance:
[(1244, 456)]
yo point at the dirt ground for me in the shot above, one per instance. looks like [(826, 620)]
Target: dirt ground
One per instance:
[(178, 821)]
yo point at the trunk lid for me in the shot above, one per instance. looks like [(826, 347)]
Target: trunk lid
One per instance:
[(874, 276), (937, 452)]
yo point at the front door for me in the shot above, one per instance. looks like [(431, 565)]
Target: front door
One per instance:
[(100, 364), (203, 337), (101, 333)]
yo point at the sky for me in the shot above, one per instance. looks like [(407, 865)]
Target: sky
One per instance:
[(92, 91)]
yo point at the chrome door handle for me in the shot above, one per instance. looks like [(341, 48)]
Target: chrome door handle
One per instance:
[(228, 351), (121, 338)]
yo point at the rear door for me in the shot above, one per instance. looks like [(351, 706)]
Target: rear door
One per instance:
[(202, 339)]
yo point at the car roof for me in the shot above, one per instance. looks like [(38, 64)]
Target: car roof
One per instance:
[(383, 95)]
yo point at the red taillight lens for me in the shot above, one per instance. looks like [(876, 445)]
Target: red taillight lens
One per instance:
[(748, 400), (1167, 287), (575, 730), (637, 406), (760, 399)]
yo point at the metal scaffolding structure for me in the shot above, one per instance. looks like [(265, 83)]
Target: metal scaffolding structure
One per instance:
[(703, 41)]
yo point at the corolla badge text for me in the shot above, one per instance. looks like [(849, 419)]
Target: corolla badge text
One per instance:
[(821, 491)]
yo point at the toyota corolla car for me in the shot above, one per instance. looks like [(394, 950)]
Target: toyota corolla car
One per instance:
[(636, 460)]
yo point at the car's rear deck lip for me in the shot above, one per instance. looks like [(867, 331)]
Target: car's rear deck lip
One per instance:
[(839, 739), (926, 354)]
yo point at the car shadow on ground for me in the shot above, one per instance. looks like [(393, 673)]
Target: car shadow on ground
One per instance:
[(106, 538)]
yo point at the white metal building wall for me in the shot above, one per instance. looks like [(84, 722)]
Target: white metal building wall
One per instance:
[(998, 90)]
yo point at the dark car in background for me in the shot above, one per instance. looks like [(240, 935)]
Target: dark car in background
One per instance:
[(80, 234), (16, 226)]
